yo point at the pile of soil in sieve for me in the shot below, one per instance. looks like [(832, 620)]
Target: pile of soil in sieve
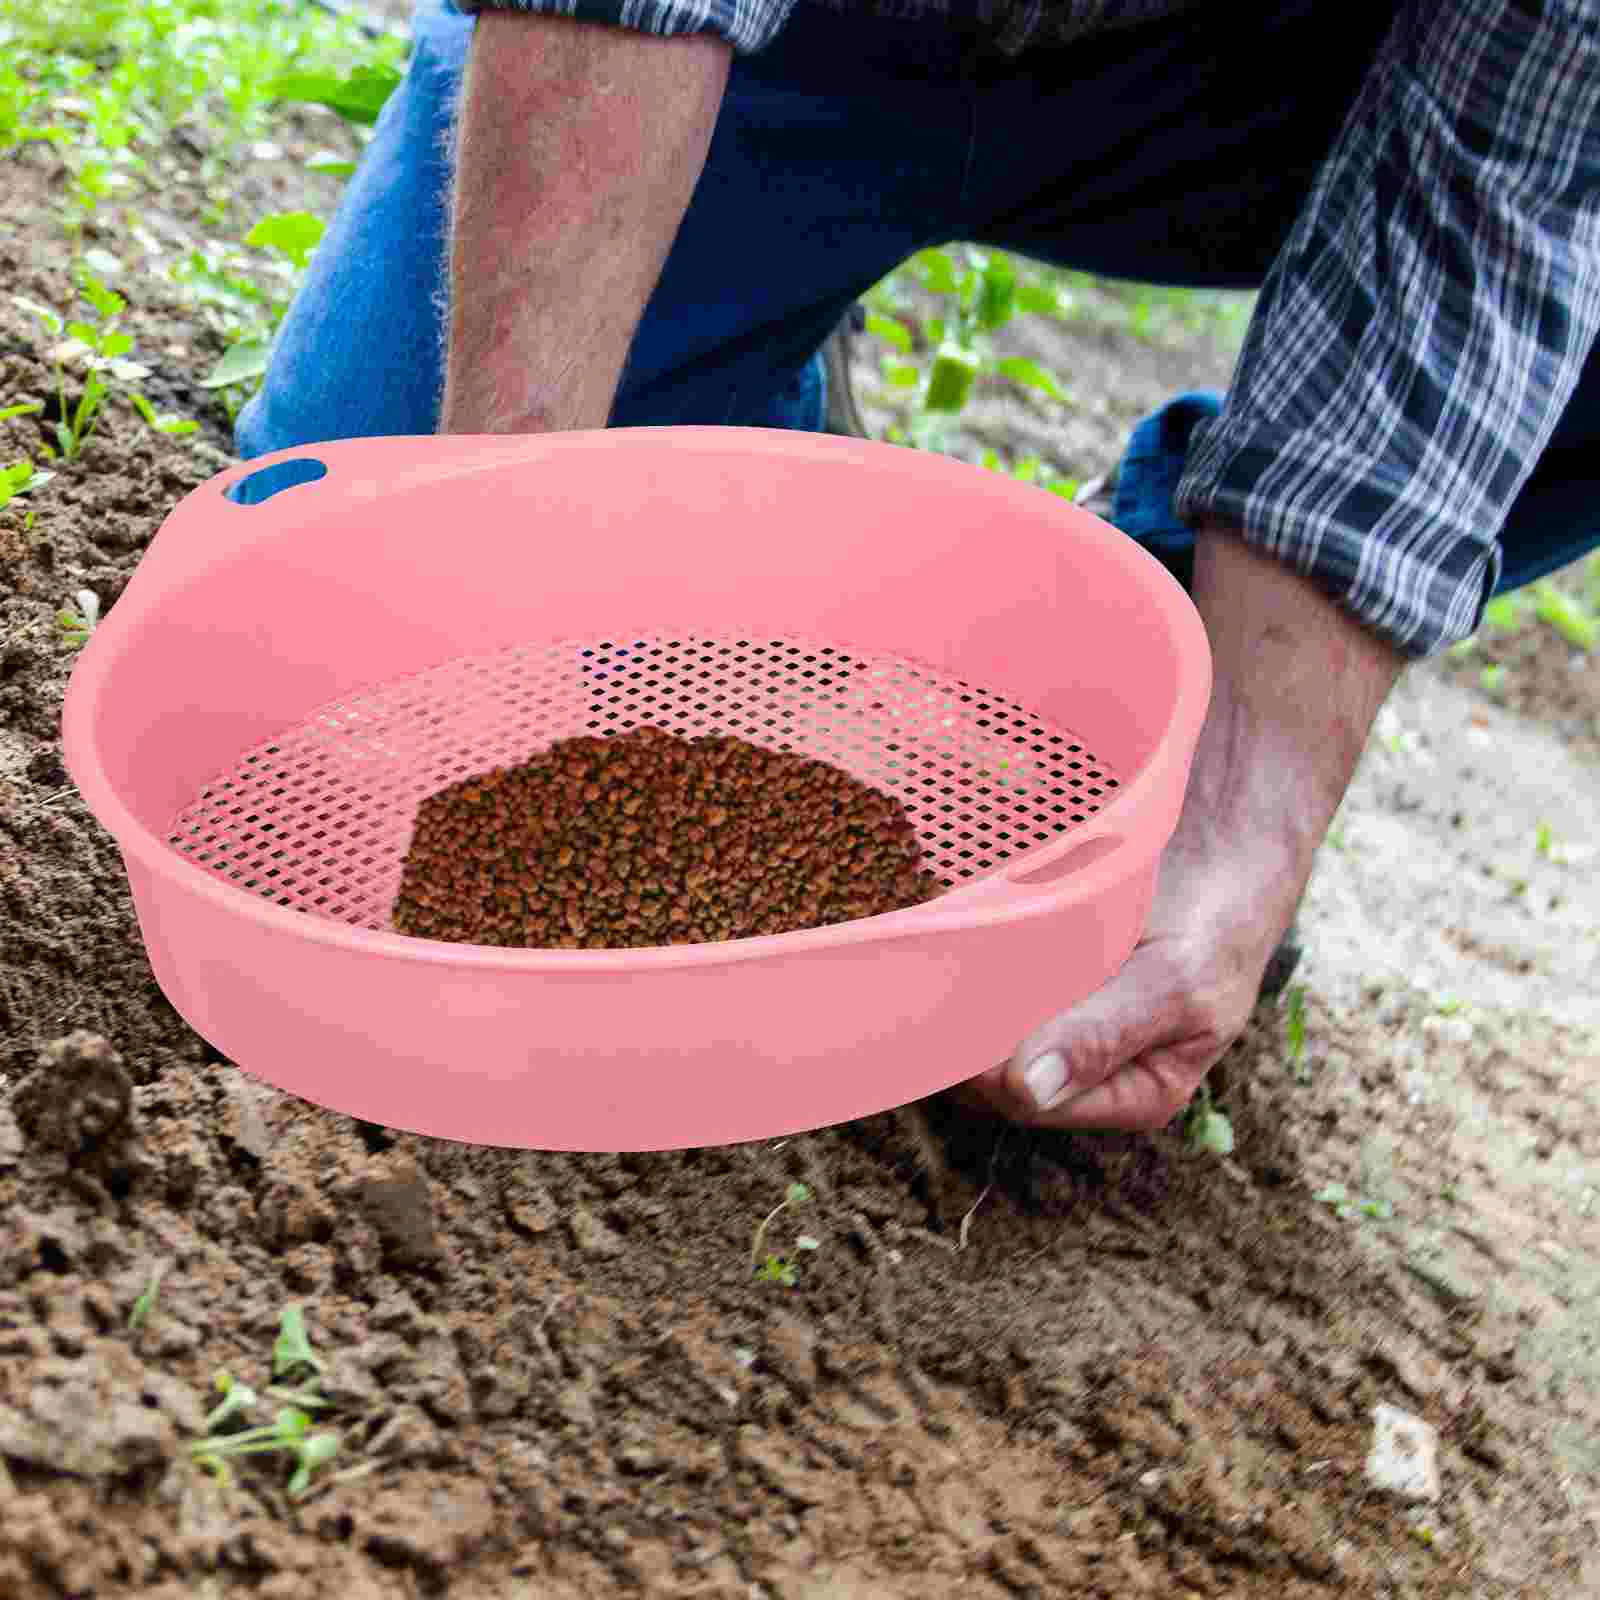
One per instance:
[(648, 839)]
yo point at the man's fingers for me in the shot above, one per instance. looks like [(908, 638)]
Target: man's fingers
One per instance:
[(1142, 1096), (1142, 1009)]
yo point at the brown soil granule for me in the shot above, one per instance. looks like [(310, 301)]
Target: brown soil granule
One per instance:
[(648, 839)]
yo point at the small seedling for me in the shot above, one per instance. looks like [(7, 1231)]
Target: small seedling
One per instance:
[(76, 626), (163, 422), (293, 235), (19, 478), (289, 1432), (105, 346), (357, 98), (979, 294), (1295, 1033), (1568, 615), (1346, 1205), (145, 1304), (293, 1347), (1544, 840), (776, 1268), (1206, 1130), (1505, 612)]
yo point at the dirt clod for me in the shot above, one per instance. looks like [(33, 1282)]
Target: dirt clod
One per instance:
[(79, 1097), (647, 839), (397, 1203)]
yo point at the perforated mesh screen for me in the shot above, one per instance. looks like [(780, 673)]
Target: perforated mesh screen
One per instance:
[(320, 818)]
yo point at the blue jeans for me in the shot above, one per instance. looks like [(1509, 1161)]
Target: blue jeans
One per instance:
[(1160, 154)]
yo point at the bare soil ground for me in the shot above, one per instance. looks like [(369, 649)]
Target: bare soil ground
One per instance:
[(1016, 1366)]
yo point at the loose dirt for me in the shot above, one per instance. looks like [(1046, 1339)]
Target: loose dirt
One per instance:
[(1014, 1366)]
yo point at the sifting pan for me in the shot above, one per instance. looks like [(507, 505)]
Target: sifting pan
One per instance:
[(259, 716)]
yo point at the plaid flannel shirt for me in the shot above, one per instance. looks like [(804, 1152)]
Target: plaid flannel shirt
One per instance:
[(1423, 327)]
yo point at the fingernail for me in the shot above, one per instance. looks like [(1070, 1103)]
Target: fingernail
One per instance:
[(1046, 1080)]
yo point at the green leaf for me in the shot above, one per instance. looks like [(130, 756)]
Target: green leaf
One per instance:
[(1568, 616), (165, 422), (83, 332), (950, 381), (116, 344), (146, 1301), (997, 300), (1039, 299), (294, 234), (1031, 376), (900, 375), (51, 321), (104, 300), (293, 1347), (331, 166), (1027, 470), (894, 332), (1505, 611), (312, 1453), (21, 410), (796, 1194), (239, 364), (358, 98), (1213, 1133), (938, 272)]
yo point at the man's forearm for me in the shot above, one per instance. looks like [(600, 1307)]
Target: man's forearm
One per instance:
[(578, 150), (1299, 683)]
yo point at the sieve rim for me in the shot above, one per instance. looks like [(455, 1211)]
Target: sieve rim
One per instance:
[(990, 901)]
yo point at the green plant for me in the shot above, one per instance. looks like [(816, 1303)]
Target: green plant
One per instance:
[(1572, 616), (1207, 1130), (162, 422), (293, 1346), (76, 626), (776, 1268), (977, 294), (18, 98), (1295, 1033), (1346, 1205), (102, 345), (21, 476), (291, 235), (358, 97), (289, 1432), (1568, 614), (1543, 839), (143, 1306)]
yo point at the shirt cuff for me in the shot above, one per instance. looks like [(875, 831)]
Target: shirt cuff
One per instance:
[(747, 25), (1329, 514)]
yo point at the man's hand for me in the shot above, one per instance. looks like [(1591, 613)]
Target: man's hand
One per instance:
[(579, 148), (1298, 686)]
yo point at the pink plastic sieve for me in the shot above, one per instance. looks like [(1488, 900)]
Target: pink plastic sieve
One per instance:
[(259, 716)]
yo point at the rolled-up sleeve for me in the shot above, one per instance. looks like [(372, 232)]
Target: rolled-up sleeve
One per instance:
[(748, 25), (1425, 323)]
